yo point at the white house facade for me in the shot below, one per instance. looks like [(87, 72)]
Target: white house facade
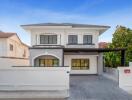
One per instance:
[(66, 44)]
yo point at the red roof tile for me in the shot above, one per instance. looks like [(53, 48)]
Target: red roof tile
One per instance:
[(103, 45)]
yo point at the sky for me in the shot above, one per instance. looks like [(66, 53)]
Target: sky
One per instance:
[(14, 13)]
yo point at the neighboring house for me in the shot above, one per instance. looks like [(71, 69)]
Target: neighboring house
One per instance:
[(12, 51), (66, 44)]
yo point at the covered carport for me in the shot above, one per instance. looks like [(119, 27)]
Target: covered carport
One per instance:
[(98, 51), (121, 50)]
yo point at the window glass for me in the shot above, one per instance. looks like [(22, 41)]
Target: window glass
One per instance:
[(54, 39), (55, 62), (87, 39), (24, 53), (48, 39), (45, 39), (41, 62), (72, 39), (48, 62), (80, 64), (11, 47)]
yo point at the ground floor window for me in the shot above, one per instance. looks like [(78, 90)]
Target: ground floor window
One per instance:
[(48, 62), (80, 64)]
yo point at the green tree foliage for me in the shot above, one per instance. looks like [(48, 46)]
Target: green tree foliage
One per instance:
[(112, 59), (122, 38)]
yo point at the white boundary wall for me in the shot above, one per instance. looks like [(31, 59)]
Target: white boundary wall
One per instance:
[(34, 78), (130, 64), (37, 81), (125, 78)]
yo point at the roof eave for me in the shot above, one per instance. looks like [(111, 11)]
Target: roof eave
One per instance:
[(29, 27), (101, 29)]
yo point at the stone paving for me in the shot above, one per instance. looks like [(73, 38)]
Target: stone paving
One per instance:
[(96, 88)]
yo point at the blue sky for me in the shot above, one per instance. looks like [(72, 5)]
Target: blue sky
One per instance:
[(14, 13)]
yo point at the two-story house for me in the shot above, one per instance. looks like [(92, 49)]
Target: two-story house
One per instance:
[(66, 44), (12, 50)]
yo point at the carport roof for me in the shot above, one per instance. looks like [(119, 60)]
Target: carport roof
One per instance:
[(93, 49), (78, 49)]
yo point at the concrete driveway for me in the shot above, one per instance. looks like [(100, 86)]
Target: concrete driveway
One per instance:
[(96, 88)]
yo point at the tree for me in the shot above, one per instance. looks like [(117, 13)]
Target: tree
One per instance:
[(122, 38), (111, 58)]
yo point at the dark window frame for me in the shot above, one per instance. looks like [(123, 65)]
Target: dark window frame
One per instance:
[(86, 39), (51, 39), (72, 39), (53, 62), (24, 53), (79, 62), (11, 47)]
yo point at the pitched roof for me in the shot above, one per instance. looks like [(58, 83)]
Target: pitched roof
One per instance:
[(67, 24), (6, 34), (9, 34)]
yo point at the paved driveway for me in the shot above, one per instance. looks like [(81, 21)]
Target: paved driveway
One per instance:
[(96, 88)]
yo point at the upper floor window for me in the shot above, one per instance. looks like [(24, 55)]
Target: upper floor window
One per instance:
[(87, 39), (48, 39), (11, 47), (72, 39)]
